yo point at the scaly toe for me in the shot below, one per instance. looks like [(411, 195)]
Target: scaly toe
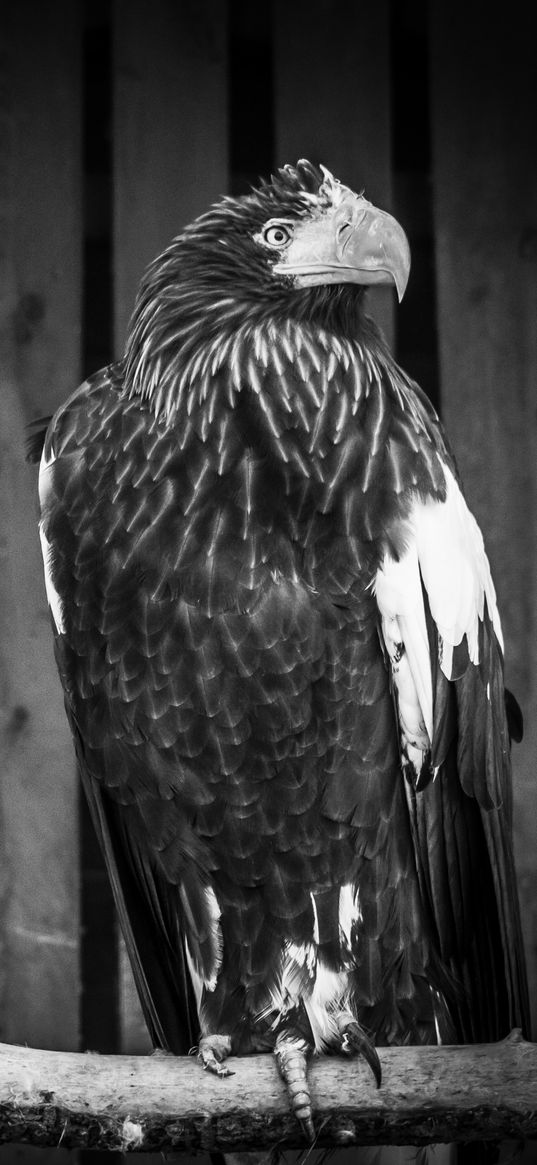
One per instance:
[(212, 1051), (291, 1054)]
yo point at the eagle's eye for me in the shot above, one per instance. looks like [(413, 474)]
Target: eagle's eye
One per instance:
[(277, 234)]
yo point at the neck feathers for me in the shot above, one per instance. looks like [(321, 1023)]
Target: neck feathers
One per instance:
[(305, 382)]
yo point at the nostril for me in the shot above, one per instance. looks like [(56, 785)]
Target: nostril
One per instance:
[(351, 216), (344, 235)]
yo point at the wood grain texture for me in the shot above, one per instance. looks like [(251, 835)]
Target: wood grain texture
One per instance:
[(40, 240), (156, 1103), (485, 191)]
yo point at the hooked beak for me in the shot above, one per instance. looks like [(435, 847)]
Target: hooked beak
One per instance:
[(352, 242)]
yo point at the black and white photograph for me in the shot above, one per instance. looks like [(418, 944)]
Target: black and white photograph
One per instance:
[(268, 582)]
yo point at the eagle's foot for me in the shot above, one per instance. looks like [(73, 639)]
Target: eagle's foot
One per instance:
[(354, 1041), (212, 1051), (291, 1052)]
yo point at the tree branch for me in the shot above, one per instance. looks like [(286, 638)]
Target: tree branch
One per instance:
[(150, 1103)]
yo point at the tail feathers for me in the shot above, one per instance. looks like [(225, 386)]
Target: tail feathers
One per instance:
[(159, 960)]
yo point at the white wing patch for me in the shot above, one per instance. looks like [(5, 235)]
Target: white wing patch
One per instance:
[(455, 571), (54, 600), (404, 630), (45, 486), (444, 548)]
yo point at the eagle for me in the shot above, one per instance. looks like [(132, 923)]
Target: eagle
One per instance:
[(279, 643)]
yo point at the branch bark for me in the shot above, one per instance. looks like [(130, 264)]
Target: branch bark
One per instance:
[(159, 1102)]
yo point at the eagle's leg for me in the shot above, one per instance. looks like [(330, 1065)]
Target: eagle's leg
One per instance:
[(291, 1051), (213, 1050), (354, 1041)]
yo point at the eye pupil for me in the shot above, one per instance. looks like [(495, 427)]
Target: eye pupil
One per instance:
[(276, 236)]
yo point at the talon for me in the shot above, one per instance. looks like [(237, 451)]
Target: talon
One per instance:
[(212, 1051), (210, 1064), (355, 1042)]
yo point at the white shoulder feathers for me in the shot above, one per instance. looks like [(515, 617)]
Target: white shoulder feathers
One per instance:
[(444, 552)]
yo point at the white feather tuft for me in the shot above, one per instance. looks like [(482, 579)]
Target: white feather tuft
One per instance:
[(54, 600), (214, 914), (44, 483), (315, 920), (322, 1006), (303, 979), (349, 913), (45, 489), (201, 980)]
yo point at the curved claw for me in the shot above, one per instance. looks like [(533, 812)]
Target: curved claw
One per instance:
[(355, 1042), (212, 1065)]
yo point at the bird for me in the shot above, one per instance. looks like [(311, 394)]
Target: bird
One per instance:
[(282, 660)]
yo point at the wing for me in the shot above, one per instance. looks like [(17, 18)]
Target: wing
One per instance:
[(96, 623), (442, 637)]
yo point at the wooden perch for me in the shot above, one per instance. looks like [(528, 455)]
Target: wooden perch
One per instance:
[(151, 1103)]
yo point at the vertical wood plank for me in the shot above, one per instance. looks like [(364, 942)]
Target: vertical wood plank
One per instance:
[(485, 181), (170, 129), (40, 241), (171, 162), (332, 100)]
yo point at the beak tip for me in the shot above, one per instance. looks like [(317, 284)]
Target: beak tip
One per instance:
[(401, 275)]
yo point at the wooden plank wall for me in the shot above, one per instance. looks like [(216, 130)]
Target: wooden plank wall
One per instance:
[(170, 129), (40, 304)]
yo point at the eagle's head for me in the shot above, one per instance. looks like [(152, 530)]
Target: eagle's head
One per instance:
[(322, 233), (301, 246)]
